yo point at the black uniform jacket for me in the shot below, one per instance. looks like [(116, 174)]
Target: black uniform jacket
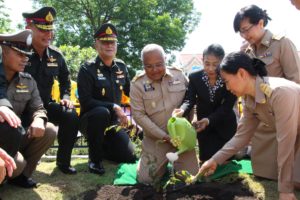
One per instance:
[(219, 112), (44, 70), (100, 85), (3, 98)]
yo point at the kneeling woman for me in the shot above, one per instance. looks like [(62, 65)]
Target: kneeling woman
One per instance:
[(273, 101)]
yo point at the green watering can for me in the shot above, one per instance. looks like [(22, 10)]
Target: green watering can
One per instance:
[(182, 133)]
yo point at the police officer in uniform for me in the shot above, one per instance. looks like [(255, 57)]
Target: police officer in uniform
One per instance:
[(45, 65), (272, 100), (5, 110), (282, 60), (154, 95), (100, 86), (31, 139)]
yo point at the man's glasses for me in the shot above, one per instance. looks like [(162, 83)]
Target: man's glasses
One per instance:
[(156, 65), (246, 30)]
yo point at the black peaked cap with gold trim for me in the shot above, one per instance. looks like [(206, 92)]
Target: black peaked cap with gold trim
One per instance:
[(107, 32), (19, 41), (43, 18)]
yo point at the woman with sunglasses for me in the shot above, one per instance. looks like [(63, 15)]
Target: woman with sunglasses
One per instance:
[(282, 60)]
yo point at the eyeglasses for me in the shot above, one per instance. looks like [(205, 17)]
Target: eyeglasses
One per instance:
[(156, 65), (246, 30)]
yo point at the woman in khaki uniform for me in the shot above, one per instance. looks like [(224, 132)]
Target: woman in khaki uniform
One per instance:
[(271, 100), (154, 95), (282, 60)]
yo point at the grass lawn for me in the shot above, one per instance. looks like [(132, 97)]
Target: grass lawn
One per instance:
[(55, 185)]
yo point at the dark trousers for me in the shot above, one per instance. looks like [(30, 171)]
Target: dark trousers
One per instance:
[(10, 138), (67, 121), (115, 146), (209, 144)]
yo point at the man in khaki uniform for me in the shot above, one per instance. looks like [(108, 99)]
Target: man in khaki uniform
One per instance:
[(154, 95), (281, 58), (31, 139)]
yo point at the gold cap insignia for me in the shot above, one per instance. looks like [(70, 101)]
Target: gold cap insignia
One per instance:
[(108, 31), (49, 17)]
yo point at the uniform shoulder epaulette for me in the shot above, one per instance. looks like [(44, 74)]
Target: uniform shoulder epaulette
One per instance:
[(54, 48), (266, 89), (138, 76), (277, 37), (119, 61), (88, 63), (25, 75), (175, 68)]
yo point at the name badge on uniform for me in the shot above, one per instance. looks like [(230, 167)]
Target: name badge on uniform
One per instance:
[(174, 82), (22, 91), (148, 87), (265, 55), (52, 65), (120, 76), (100, 76)]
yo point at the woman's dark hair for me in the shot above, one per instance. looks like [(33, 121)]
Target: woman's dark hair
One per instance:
[(214, 49), (254, 13), (236, 60)]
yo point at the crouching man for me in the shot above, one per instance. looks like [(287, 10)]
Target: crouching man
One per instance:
[(28, 141)]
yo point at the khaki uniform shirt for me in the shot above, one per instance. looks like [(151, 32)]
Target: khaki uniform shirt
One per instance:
[(23, 94), (276, 104), (280, 55), (152, 102), (282, 60)]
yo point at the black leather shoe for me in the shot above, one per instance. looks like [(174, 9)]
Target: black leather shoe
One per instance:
[(96, 168), (66, 169), (23, 181)]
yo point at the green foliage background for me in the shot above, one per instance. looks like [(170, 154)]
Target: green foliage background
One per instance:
[(4, 18), (139, 22), (76, 56)]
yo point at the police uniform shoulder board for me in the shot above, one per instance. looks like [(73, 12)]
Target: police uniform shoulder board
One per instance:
[(277, 37), (54, 48), (138, 76), (25, 75), (117, 60), (88, 64), (266, 89), (174, 68)]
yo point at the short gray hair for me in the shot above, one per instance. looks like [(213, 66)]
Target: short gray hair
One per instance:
[(150, 48)]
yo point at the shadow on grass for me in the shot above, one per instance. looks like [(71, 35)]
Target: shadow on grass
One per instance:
[(53, 184)]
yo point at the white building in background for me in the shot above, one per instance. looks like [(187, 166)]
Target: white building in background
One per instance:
[(190, 62)]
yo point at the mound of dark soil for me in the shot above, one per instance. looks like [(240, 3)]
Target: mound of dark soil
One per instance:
[(212, 190)]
